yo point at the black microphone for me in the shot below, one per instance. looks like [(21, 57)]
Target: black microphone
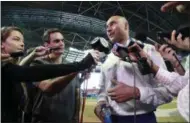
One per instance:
[(122, 51), (142, 62), (143, 37), (54, 48), (17, 54), (183, 29), (100, 44)]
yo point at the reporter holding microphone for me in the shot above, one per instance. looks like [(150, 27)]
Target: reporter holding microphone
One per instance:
[(13, 41), (177, 84)]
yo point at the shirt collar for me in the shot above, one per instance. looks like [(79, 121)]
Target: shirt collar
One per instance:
[(126, 43)]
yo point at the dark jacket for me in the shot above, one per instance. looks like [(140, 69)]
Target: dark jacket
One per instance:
[(12, 74), (59, 108)]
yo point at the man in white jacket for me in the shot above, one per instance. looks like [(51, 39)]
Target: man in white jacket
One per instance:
[(135, 97)]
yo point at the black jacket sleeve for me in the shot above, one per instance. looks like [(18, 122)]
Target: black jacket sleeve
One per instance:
[(37, 73)]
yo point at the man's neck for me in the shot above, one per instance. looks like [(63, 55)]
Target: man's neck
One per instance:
[(57, 60), (124, 40)]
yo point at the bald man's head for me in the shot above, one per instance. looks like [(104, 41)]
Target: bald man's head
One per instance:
[(117, 28), (119, 18)]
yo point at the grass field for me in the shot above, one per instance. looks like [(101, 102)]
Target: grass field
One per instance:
[(89, 115)]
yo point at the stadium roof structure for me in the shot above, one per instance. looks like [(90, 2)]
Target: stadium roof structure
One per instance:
[(81, 21)]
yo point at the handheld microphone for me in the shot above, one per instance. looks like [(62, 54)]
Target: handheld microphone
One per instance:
[(17, 54), (143, 37), (183, 29), (142, 62), (122, 51), (100, 44), (53, 48)]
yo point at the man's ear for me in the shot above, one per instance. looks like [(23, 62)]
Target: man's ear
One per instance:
[(126, 26), (2, 45)]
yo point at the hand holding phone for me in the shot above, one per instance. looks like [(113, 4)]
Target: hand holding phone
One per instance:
[(184, 30)]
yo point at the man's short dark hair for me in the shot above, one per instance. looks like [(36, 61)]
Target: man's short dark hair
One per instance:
[(46, 35)]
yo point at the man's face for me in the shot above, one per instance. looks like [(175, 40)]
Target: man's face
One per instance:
[(13, 43), (57, 40), (115, 29)]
